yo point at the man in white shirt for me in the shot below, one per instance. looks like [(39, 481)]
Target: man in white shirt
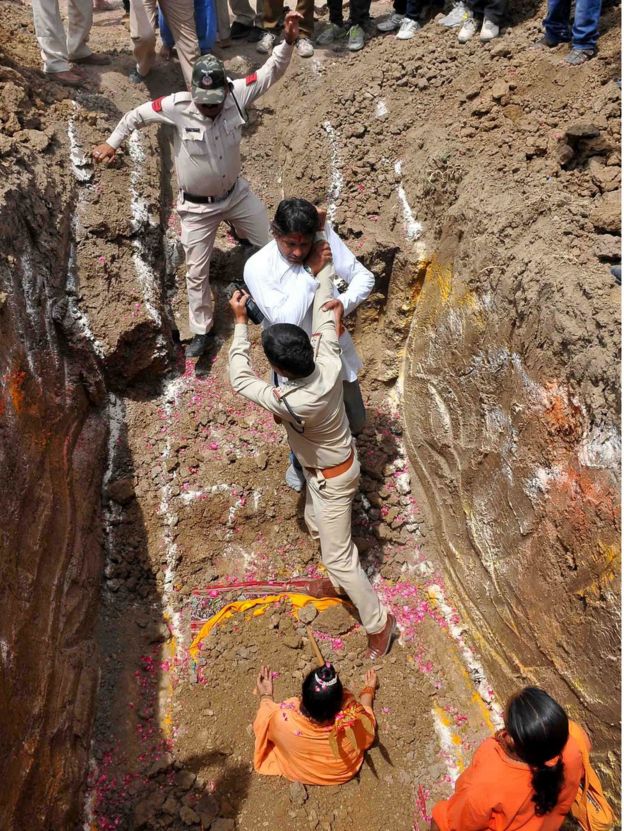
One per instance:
[(279, 279)]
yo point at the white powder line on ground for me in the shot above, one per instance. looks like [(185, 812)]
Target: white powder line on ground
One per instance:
[(80, 161), (449, 751), (83, 173), (336, 181), (140, 219), (80, 318), (413, 228)]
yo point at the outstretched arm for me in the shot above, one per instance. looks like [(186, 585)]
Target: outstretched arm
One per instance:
[(254, 85), (153, 112)]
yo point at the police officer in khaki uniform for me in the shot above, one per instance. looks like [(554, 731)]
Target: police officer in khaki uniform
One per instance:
[(208, 123), (311, 407)]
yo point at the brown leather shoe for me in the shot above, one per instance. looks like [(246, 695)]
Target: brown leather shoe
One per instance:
[(379, 644), (67, 78), (322, 587), (94, 59)]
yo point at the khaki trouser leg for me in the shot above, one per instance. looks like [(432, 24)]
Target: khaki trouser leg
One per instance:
[(142, 32), (271, 12), (79, 22), (329, 510), (50, 35), (248, 215), (180, 17), (243, 12), (199, 229), (223, 19)]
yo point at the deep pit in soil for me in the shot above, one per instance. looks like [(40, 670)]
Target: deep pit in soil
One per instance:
[(133, 482)]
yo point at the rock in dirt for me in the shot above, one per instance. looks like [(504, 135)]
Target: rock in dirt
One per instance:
[(185, 779), (576, 132), (298, 793), (307, 614), (223, 824), (335, 621), (292, 640), (605, 215), (500, 89), (207, 808), (189, 816), (121, 490)]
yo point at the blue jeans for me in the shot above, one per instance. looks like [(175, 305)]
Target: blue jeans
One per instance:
[(584, 32)]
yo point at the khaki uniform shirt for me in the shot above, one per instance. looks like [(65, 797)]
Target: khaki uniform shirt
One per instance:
[(320, 437), (206, 151)]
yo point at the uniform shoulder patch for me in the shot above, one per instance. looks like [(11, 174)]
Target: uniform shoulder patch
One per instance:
[(251, 79), (157, 104)]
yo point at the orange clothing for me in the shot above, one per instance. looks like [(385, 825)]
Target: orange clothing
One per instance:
[(291, 745), (495, 793)]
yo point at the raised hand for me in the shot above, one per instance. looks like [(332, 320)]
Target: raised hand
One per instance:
[(291, 26)]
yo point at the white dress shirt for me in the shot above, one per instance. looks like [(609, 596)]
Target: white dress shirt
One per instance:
[(284, 292)]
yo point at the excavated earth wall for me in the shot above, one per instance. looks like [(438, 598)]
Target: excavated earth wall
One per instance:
[(482, 188)]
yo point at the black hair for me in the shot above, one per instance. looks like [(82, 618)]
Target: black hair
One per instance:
[(321, 700), (295, 216), (288, 347), (539, 729)]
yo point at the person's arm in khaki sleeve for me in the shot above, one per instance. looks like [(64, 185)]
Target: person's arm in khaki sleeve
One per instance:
[(324, 320), (253, 86), (242, 377), (152, 112)]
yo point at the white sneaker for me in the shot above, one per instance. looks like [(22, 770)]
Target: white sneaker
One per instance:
[(468, 30), (456, 16), (391, 23), (305, 48), (294, 479), (266, 43), (356, 39), (408, 29), (489, 31)]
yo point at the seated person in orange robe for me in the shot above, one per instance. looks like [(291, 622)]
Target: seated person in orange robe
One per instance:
[(525, 777), (319, 738)]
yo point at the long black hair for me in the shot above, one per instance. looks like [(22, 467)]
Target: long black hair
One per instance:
[(321, 694), (539, 729)]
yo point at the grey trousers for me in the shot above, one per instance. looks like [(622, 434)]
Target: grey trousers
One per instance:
[(354, 405)]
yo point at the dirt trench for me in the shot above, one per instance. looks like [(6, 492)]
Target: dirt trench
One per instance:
[(492, 427)]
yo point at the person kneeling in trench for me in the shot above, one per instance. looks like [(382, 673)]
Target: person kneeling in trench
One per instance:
[(319, 738), (525, 778), (311, 407)]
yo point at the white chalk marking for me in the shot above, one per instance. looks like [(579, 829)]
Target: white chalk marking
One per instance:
[(140, 219), (337, 180), (80, 161), (449, 750), (413, 228), (601, 447)]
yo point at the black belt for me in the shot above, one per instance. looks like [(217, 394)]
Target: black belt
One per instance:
[(207, 200)]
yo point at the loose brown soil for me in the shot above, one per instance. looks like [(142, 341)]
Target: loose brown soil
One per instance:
[(505, 289)]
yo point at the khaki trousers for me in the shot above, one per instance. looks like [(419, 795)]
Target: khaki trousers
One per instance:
[(57, 48), (328, 517), (244, 13), (273, 9), (199, 229), (180, 17)]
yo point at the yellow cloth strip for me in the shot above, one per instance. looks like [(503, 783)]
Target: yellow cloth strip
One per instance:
[(259, 605)]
